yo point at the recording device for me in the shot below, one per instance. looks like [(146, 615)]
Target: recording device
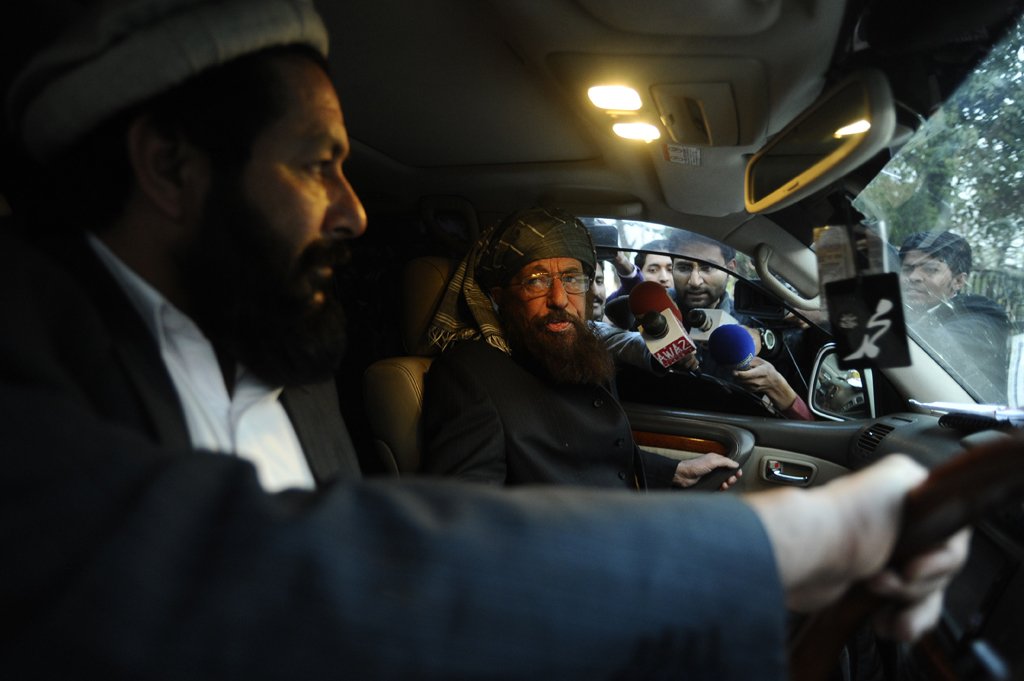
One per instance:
[(704, 320), (660, 323), (732, 346)]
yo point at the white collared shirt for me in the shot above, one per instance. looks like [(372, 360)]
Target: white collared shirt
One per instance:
[(250, 423)]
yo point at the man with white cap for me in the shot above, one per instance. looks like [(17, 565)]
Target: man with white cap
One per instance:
[(148, 335), (190, 252)]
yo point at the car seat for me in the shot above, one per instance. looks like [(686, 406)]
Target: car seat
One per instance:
[(393, 387)]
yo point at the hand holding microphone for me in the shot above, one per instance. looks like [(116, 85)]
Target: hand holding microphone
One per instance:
[(733, 346)]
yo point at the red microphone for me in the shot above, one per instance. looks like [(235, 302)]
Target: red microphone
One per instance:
[(649, 295), (660, 323)]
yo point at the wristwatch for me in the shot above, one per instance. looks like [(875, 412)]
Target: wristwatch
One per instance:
[(768, 341)]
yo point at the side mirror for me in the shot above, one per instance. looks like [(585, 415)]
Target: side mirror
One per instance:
[(843, 129), (839, 394)]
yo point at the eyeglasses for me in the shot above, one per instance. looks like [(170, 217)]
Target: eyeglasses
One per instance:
[(539, 284)]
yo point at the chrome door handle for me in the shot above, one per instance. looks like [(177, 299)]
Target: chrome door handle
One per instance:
[(788, 472)]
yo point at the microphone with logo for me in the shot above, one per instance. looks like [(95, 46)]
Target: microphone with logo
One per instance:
[(732, 346), (660, 323)]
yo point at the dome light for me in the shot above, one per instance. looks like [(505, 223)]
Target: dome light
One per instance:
[(636, 131), (614, 97)]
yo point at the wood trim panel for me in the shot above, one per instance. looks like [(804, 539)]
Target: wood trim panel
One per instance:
[(680, 442)]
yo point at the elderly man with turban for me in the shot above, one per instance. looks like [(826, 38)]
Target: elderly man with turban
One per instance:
[(524, 391)]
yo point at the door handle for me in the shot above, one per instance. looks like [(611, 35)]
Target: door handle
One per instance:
[(782, 472)]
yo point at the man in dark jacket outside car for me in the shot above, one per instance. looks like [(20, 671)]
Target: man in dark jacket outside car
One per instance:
[(183, 188), (700, 286), (934, 268)]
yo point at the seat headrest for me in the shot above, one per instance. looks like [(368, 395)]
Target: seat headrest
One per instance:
[(424, 285)]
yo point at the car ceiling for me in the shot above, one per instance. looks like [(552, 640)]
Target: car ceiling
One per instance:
[(487, 100)]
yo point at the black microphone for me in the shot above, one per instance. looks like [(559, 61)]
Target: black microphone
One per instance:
[(617, 312), (660, 323), (732, 346), (702, 321)]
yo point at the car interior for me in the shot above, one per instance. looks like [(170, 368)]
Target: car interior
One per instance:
[(462, 111)]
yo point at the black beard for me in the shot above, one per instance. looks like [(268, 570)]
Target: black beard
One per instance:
[(256, 305), (577, 357)]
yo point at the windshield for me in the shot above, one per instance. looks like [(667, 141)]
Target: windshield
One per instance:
[(949, 203)]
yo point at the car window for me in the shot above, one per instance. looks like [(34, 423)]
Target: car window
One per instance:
[(962, 172), (630, 237), (709, 277)]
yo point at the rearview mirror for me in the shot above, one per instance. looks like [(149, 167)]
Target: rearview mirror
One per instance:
[(843, 129)]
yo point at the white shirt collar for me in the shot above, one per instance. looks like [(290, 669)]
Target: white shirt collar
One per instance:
[(250, 422)]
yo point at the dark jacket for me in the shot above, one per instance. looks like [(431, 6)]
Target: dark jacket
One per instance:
[(118, 366), (970, 334), (490, 418), (129, 559)]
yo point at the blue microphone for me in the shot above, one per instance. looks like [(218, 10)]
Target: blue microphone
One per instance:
[(731, 345)]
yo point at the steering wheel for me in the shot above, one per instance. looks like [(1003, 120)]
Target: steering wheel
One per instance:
[(957, 493)]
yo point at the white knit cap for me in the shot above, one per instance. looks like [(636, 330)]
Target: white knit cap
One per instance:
[(130, 50)]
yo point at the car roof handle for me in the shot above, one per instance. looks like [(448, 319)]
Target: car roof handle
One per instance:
[(762, 256)]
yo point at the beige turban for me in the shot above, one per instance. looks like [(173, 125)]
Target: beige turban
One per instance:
[(127, 51)]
